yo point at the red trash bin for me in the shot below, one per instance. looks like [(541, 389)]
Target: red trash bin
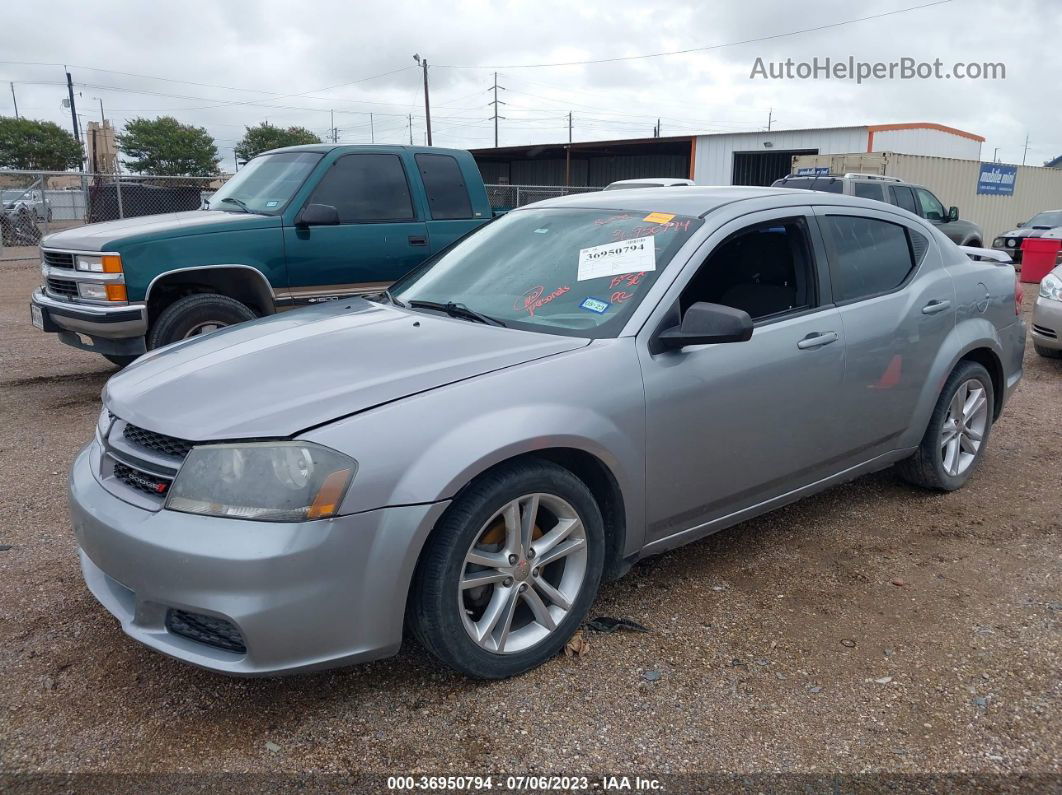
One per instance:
[(1038, 257)]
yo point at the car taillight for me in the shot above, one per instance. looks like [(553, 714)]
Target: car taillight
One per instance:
[(1019, 295)]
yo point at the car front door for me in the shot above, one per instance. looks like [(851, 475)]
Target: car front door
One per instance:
[(896, 306), (733, 425), (379, 238)]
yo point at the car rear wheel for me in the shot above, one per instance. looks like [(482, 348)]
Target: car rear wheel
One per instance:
[(194, 315), (510, 571), (957, 433)]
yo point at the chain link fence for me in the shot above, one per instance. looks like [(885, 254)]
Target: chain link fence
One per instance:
[(37, 203)]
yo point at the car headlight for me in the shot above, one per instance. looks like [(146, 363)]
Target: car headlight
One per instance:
[(997, 243), (1051, 287), (1012, 242), (265, 481), (105, 263)]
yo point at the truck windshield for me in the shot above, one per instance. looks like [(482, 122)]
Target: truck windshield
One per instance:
[(266, 184), (576, 272)]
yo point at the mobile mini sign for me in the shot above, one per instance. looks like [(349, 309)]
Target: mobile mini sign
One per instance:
[(996, 180)]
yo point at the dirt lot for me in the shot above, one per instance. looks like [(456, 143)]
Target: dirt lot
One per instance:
[(871, 628)]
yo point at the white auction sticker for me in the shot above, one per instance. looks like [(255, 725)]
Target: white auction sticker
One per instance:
[(624, 256)]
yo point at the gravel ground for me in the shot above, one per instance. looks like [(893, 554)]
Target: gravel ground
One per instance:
[(871, 628)]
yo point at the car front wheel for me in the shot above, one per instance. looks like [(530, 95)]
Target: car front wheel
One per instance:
[(510, 571)]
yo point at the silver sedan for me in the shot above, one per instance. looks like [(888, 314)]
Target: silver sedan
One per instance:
[(1047, 316), (579, 384)]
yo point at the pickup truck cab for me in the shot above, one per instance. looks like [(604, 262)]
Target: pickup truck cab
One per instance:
[(298, 225)]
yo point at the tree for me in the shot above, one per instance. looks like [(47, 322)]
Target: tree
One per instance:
[(265, 137), (165, 147), (42, 145)]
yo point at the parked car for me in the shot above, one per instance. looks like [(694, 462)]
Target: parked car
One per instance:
[(1047, 316), (650, 182), (914, 198), (585, 382), (1048, 222), (32, 202), (295, 226)]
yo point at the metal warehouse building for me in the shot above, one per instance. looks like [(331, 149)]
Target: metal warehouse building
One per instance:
[(747, 158)]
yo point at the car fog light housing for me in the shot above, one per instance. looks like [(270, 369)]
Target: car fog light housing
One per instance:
[(263, 481), (1051, 287)]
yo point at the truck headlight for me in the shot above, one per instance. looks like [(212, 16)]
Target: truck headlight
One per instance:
[(1051, 287), (265, 481), (103, 263)]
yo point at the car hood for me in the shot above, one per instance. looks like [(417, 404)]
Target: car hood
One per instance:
[(1028, 231), (283, 374), (107, 235)]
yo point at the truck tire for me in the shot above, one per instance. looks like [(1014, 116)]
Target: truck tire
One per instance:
[(194, 315)]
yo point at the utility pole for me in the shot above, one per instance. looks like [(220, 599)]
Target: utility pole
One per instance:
[(73, 114), (372, 131), (568, 155), (333, 131), (995, 155), (770, 118), (236, 160), (1026, 151), (411, 129), (495, 103), (15, 100), (427, 104), (656, 129)]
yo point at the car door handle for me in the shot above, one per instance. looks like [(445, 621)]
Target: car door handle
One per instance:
[(935, 306), (418, 240), (817, 340)]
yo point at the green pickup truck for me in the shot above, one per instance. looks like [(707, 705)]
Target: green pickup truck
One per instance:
[(295, 226)]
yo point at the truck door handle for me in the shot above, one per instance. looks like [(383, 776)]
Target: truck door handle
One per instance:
[(418, 240), (817, 339), (935, 306)]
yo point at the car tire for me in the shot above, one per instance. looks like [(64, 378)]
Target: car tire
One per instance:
[(1048, 353), (443, 616), (194, 315), (949, 451), (120, 361)]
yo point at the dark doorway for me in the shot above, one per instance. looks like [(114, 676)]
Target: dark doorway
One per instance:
[(763, 168)]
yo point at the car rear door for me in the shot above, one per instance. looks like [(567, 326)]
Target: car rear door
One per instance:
[(896, 306), (450, 212), (732, 425), (380, 237)]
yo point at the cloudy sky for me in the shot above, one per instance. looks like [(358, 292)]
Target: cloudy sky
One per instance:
[(225, 65)]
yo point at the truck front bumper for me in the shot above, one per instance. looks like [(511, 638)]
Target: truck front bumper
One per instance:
[(115, 330)]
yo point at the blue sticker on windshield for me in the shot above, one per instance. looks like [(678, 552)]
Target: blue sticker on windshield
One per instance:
[(595, 305), (272, 203)]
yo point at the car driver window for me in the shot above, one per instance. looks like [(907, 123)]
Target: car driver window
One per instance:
[(932, 209)]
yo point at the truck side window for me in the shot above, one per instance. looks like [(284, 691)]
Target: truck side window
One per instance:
[(867, 190), (447, 193), (903, 196), (369, 187), (932, 209)]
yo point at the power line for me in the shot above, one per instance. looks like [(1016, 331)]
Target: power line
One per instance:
[(705, 48)]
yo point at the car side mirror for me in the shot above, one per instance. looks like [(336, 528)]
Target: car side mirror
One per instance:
[(318, 215), (706, 324), (953, 213)]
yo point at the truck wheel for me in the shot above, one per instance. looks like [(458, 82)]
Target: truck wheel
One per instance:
[(194, 315), (957, 433), (121, 361)]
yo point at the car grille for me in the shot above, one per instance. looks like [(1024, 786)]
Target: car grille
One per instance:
[(63, 287), (1043, 331), (58, 259), (160, 443), (212, 631), (142, 481)]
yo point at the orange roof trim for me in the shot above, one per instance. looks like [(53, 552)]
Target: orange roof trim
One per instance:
[(918, 125)]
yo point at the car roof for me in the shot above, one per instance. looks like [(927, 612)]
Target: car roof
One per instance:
[(326, 148), (695, 201), (649, 181)]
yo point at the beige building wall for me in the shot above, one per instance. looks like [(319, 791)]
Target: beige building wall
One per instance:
[(101, 148)]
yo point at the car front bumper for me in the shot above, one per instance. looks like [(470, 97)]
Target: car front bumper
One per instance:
[(302, 596), (104, 329), (1047, 323)]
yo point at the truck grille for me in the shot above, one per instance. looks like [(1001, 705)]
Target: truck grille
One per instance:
[(63, 287), (141, 481), (210, 630), (58, 259), (160, 443)]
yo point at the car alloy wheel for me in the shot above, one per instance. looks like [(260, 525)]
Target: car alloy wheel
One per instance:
[(522, 573), (964, 427)]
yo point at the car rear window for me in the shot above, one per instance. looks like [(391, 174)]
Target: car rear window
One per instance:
[(824, 184), (870, 257)]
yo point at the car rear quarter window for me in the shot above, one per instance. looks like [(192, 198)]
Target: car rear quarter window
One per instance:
[(902, 196), (867, 190), (445, 186), (869, 256), (365, 188)]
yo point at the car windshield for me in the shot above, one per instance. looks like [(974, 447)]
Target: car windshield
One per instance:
[(266, 184), (577, 272), (1051, 219)]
